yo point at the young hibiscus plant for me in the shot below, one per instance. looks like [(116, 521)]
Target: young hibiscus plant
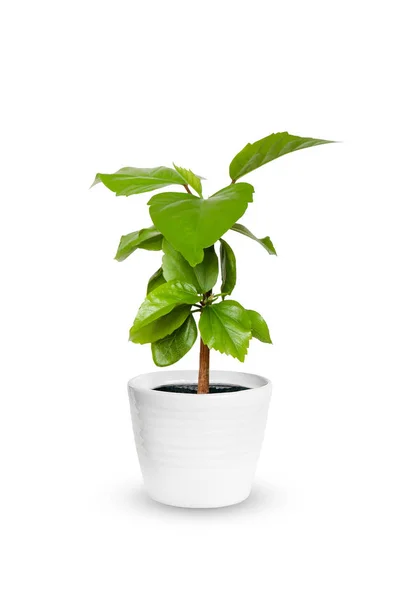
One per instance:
[(186, 227)]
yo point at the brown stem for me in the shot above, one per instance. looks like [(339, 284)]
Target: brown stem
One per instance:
[(187, 188), (203, 386)]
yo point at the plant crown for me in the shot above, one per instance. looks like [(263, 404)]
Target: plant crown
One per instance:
[(185, 228)]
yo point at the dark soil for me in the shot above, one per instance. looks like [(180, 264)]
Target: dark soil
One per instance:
[(191, 388)]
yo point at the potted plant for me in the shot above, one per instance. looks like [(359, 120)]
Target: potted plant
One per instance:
[(198, 433)]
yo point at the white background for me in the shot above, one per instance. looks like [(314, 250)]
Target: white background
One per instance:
[(94, 86)]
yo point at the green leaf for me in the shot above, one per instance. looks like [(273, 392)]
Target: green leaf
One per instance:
[(191, 224), (203, 276), (191, 179), (155, 280), (259, 328), (265, 242), (173, 347), (175, 267), (228, 268), (148, 239), (226, 327), (161, 327), (162, 300), (269, 148), (130, 180), (207, 271)]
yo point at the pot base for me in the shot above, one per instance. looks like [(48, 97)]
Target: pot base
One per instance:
[(230, 502), (211, 486)]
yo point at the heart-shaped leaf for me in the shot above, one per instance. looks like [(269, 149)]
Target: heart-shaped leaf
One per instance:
[(191, 224), (259, 328), (269, 148), (191, 179), (226, 327), (147, 239), (162, 300), (174, 346), (228, 268), (131, 180), (155, 280), (161, 327), (265, 242), (203, 276)]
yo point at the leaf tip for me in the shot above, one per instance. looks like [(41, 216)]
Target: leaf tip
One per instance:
[(97, 180)]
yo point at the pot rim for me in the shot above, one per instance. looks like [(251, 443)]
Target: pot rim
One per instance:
[(148, 381)]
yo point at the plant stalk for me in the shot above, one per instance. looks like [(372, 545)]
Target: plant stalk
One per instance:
[(203, 386)]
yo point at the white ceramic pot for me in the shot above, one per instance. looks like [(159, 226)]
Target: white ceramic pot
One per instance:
[(198, 450)]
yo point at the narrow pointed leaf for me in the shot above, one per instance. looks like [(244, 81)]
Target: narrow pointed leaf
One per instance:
[(173, 347), (191, 224), (147, 239), (228, 268), (203, 276), (191, 179), (131, 180), (259, 328), (162, 300), (269, 148), (226, 327), (161, 327), (265, 242), (155, 280)]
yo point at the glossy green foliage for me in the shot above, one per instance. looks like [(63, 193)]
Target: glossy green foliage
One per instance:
[(267, 149), (191, 179), (174, 346), (191, 224), (155, 280), (130, 180), (185, 228), (265, 242), (226, 327), (203, 276), (147, 239), (160, 327), (228, 268), (259, 328), (162, 300)]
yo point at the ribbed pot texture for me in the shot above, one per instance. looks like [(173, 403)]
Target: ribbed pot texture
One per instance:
[(198, 450)]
